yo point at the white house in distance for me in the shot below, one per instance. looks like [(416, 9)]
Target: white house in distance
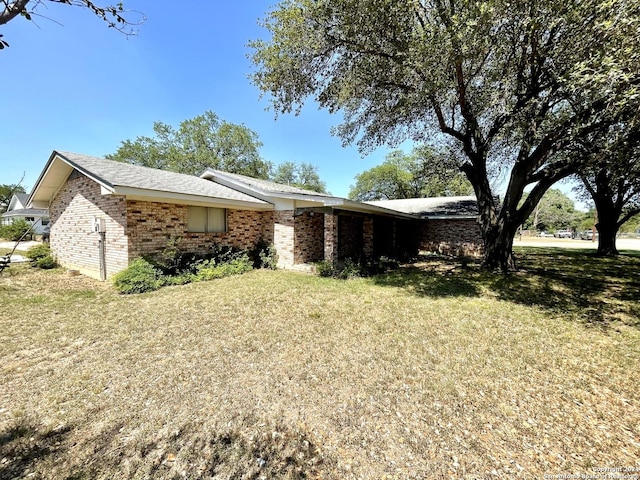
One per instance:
[(17, 210)]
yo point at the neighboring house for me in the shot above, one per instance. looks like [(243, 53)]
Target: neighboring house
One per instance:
[(106, 213), (17, 210), (450, 223)]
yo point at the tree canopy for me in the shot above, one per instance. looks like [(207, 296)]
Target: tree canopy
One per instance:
[(423, 173), (115, 16), (507, 83), (303, 175), (199, 143), (554, 211)]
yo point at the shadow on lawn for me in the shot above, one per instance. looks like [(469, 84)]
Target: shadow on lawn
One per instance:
[(563, 281), (22, 446)]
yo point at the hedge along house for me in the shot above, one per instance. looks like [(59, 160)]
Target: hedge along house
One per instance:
[(106, 213)]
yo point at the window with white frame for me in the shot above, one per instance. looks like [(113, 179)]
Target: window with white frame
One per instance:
[(206, 220)]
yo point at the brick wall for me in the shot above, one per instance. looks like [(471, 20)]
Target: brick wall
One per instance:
[(350, 236), (330, 237), (283, 237), (309, 237), (73, 243), (460, 237), (151, 225)]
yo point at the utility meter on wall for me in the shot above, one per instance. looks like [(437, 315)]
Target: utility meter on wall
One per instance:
[(99, 225)]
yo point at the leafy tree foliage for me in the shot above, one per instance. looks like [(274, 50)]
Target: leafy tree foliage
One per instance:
[(423, 173), (303, 175), (199, 143), (6, 192), (554, 211), (508, 83), (115, 16)]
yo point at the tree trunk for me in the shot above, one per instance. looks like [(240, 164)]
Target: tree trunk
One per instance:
[(607, 232), (498, 248)]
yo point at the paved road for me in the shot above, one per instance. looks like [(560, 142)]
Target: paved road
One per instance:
[(621, 243)]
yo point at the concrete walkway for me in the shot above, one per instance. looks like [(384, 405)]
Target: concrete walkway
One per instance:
[(22, 246)]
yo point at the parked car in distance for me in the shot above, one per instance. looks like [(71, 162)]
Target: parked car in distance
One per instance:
[(587, 235), (545, 234), (564, 233)]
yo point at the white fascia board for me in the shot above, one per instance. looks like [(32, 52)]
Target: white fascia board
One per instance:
[(450, 217), (181, 198)]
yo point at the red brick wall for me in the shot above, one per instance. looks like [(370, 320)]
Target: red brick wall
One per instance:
[(309, 237), (135, 228), (73, 242), (460, 237), (151, 225)]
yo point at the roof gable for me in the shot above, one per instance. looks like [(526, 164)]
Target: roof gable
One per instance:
[(136, 182)]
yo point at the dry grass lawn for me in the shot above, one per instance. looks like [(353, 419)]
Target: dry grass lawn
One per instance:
[(434, 371)]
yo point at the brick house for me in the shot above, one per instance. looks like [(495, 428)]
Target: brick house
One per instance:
[(106, 213), (450, 224)]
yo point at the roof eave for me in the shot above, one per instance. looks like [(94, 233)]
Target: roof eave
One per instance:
[(188, 199)]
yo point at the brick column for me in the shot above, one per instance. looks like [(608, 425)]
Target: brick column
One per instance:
[(330, 237), (283, 237)]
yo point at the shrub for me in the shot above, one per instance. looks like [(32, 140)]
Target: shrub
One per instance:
[(46, 262), (352, 269), (37, 252), (40, 256), (325, 268), (14, 231), (264, 255), (140, 276), (210, 269)]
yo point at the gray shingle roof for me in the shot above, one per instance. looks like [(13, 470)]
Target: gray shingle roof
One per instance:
[(466, 206), (22, 197), (119, 174), (267, 186), (26, 212)]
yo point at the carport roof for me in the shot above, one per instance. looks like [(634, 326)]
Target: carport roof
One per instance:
[(434, 207)]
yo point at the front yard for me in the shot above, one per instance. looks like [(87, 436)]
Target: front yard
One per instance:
[(436, 371)]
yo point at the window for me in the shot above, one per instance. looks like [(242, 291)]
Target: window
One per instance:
[(206, 220)]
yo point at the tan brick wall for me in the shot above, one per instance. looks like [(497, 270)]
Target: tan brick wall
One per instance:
[(461, 237), (152, 225), (283, 237), (73, 243)]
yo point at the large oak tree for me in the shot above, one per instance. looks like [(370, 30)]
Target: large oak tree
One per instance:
[(611, 178), (202, 142), (509, 83)]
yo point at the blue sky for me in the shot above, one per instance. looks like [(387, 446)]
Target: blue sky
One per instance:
[(71, 83)]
